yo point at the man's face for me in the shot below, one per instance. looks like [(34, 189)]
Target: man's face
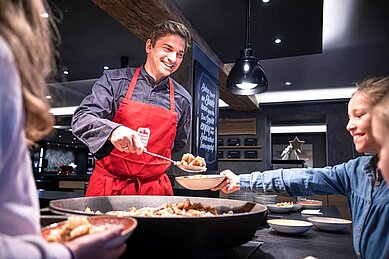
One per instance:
[(165, 57), (380, 134)]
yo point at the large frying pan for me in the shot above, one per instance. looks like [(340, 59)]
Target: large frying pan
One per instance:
[(182, 234)]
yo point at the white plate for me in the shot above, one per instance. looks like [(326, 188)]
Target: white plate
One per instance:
[(311, 212), (289, 226), (330, 224), (265, 199), (279, 209), (200, 182)]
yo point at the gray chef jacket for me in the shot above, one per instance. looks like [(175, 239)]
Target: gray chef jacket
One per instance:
[(92, 121)]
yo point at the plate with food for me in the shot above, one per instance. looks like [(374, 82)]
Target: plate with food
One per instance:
[(77, 226), (280, 207), (200, 181), (330, 224), (310, 204), (290, 226)]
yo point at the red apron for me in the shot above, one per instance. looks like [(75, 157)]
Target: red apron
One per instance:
[(122, 173)]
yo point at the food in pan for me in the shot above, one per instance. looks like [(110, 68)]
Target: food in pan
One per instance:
[(183, 209), (189, 159), (74, 227)]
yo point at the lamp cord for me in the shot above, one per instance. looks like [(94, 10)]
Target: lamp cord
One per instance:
[(247, 41)]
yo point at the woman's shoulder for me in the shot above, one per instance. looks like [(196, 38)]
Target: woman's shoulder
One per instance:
[(6, 55)]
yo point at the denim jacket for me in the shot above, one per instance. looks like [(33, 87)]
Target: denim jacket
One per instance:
[(358, 179)]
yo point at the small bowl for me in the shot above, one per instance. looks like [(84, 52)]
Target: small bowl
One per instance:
[(200, 182), (289, 226), (330, 224), (128, 223), (279, 209), (311, 204)]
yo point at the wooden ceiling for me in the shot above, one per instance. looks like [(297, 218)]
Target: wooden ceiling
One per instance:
[(139, 16)]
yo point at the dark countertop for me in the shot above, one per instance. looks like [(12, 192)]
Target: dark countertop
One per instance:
[(316, 243), (268, 243)]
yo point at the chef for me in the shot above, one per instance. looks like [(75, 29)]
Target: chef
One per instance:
[(137, 108)]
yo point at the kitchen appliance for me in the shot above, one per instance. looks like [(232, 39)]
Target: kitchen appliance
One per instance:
[(233, 142), (250, 141), (233, 154), (252, 154)]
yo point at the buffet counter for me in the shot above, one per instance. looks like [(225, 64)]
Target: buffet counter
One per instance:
[(316, 243)]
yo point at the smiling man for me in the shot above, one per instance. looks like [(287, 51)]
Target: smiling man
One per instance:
[(133, 109)]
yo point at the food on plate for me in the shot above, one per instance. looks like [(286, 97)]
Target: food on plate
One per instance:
[(196, 176), (310, 202), (183, 209), (189, 159), (284, 204), (74, 227)]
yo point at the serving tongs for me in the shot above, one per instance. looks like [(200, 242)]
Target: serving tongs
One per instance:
[(186, 168)]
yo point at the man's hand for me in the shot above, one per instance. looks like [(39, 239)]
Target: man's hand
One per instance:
[(127, 140)]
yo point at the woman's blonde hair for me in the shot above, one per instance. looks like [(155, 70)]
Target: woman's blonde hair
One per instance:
[(29, 36)]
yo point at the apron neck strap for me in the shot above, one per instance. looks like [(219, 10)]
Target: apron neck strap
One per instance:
[(135, 79)]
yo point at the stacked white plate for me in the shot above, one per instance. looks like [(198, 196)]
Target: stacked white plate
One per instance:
[(265, 199), (241, 195)]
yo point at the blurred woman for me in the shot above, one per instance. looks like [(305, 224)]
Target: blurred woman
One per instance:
[(25, 62), (358, 179), (380, 126)]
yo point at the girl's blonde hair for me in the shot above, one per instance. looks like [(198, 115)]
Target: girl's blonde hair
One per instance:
[(29, 36), (374, 88)]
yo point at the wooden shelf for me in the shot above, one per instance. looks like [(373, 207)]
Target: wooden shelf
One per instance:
[(240, 159), (239, 147)]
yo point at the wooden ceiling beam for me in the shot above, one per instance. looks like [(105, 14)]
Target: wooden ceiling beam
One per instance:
[(140, 16)]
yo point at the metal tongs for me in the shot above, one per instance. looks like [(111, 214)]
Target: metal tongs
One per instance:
[(186, 168)]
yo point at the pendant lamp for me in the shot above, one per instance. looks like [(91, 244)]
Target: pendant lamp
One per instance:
[(247, 76)]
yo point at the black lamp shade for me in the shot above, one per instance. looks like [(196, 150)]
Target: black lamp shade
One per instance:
[(247, 76)]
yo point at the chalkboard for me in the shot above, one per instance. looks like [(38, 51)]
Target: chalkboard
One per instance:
[(205, 115)]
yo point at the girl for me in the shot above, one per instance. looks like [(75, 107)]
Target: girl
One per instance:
[(358, 179)]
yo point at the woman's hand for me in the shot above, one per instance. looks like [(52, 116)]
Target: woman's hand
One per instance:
[(94, 246), (230, 183), (127, 140)]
